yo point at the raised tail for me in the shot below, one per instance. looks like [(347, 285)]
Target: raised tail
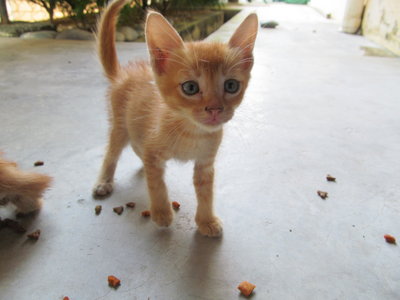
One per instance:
[(106, 39)]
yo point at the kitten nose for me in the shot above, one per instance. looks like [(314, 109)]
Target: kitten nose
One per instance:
[(214, 110)]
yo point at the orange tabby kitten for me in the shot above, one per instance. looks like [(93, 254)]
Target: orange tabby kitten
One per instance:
[(23, 189), (173, 107)]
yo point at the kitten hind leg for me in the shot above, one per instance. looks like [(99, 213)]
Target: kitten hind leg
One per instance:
[(203, 179), (117, 141)]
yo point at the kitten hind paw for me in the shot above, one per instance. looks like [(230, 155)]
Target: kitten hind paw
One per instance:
[(212, 228), (103, 189)]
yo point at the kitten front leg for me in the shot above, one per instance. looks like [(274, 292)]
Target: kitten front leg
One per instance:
[(117, 141), (203, 180), (160, 207)]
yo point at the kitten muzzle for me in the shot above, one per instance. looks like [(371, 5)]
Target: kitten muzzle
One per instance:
[(214, 115), (214, 111)]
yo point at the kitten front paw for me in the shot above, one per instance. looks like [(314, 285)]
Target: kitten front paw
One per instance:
[(211, 228), (103, 189), (162, 217)]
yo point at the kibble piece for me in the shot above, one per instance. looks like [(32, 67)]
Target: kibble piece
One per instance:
[(34, 235), (330, 178), (38, 163), (97, 209), (176, 205), (113, 281), (246, 288), (146, 213), (118, 209), (131, 204), (390, 239), (322, 194), (66, 298)]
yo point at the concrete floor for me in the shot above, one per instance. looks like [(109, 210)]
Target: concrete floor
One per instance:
[(315, 106)]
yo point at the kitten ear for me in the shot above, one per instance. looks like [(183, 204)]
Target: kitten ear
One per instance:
[(161, 39), (245, 37)]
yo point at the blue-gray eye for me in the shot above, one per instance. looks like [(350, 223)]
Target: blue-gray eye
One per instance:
[(190, 87), (231, 86)]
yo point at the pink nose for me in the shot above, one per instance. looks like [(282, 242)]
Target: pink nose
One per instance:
[(214, 110)]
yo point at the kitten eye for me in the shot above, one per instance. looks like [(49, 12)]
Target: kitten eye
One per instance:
[(231, 86), (190, 88)]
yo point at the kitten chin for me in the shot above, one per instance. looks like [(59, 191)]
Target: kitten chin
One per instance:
[(210, 128), (203, 126)]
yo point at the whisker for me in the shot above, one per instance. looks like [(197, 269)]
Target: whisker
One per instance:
[(178, 62), (175, 57), (242, 61)]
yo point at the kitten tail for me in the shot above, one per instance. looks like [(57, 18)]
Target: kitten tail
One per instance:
[(106, 39), (34, 184), (31, 187), (23, 189), (14, 181)]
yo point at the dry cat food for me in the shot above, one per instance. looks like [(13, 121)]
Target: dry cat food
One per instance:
[(176, 205), (38, 163), (118, 210), (322, 194), (330, 178), (113, 281), (66, 298), (390, 239), (146, 213), (97, 209), (246, 288), (34, 235), (131, 204)]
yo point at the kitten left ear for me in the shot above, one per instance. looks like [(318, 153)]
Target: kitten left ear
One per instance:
[(245, 37), (161, 39)]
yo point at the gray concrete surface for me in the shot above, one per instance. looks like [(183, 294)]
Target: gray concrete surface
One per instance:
[(315, 106)]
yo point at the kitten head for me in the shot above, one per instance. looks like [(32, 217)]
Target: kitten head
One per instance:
[(202, 81)]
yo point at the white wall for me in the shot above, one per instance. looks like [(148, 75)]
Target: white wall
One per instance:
[(381, 23)]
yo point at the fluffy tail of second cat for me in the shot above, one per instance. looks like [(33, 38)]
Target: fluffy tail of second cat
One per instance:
[(106, 39), (24, 189)]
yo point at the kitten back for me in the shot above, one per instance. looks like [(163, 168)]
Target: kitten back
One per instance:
[(106, 39)]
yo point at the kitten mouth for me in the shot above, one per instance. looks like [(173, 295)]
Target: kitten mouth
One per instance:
[(212, 121), (209, 124)]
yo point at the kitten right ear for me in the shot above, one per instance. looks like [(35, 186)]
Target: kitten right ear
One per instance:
[(245, 37), (161, 39)]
